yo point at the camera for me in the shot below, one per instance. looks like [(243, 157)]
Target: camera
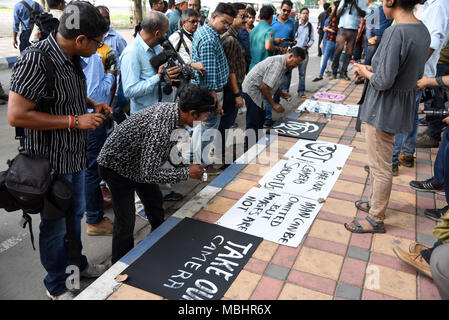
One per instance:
[(171, 58), (436, 114)]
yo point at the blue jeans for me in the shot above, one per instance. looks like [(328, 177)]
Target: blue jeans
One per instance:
[(436, 127), (441, 165), (94, 196), (302, 68), (53, 250), (406, 142), (328, 55), (285, 86), (230, 114), (255, 117)]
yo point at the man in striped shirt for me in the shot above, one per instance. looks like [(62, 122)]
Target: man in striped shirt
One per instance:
[(60, 130), (208, 50)]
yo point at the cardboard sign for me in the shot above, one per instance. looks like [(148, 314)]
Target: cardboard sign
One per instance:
[(320, 153), (329, 96), (194, 261), (300, 179), (329, 107), (298, 128), (275, 216)]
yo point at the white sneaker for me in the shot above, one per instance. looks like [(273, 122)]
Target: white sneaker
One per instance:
[(93, 271), (65, 296)]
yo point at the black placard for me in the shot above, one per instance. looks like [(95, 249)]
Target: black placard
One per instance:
[(298, 128), (194, 261)]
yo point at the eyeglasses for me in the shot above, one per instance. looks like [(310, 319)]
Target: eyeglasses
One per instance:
[(244, 16), (286, 10), (193, 21), (99, 43)]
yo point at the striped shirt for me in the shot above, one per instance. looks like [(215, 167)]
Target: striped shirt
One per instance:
[(207, 49), (236, 60), (65, 150)]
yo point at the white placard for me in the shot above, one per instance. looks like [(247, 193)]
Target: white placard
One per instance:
[(274, 216), (300, 179), (320, 153), (329, 107)]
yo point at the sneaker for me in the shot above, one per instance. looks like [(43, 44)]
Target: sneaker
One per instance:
[(211, 171), (107, 197), (414, 260), (65, 296), (104, 228), (173, 196), (427, 142), (406, 161), (436, 214), (317, 79), (395, 169), (93, 271), (429, 185), (416, 248), (268, 124)]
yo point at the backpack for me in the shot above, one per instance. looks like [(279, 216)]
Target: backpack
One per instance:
[(46, 23), (33, 12)]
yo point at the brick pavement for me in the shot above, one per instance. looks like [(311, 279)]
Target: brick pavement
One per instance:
[(331, 263)]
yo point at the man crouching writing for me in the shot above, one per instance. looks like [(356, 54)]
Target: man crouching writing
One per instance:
[(132, 157)]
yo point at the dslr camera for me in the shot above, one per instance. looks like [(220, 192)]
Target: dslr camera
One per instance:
[(171, 58), (436, 114)]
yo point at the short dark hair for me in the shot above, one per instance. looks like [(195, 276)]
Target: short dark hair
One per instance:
[(82, 18), (238, 6), (298, 52), (53, 4), (103, 8), (288, 3), (407, 5), (266, 12), (153, 2), (195, 97), (302, 9), (251, 11), (171, 3), (326, 6), (225, 8)]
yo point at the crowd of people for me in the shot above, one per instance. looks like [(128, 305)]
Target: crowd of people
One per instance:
[(183, 69)]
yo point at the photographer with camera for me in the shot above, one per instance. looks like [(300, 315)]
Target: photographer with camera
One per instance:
[(60, 132), (133, 158), (141, 81), (350, 13)]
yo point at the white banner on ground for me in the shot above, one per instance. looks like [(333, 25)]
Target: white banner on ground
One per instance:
[(274, 216), (321, 153), (329, 107), (300, 179)]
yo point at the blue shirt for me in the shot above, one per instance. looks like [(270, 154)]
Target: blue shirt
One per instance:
[(173, 19), (115, 41), (139, 79), (377, 22), (22, 15), (99, 84), (304, 35), (243, 36), (350, 18), (284, 30)]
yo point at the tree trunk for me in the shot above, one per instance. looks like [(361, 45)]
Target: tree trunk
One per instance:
[(137, 11)]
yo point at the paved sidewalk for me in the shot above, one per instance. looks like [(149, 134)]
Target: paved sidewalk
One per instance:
[(331, 263)]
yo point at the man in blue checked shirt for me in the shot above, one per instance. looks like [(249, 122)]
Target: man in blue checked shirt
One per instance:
[(99, 85), (139, 79), (22, 16), (207, 49)]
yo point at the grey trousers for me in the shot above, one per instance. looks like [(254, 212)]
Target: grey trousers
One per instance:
[(439, 266)]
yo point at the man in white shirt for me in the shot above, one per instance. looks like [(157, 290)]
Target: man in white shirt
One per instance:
[(182, 39)]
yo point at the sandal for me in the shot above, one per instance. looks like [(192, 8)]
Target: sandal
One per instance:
[(359, 204), (378, 227)]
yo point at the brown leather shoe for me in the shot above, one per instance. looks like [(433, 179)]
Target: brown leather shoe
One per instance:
[(103, 228), (406, 161), (414, 260), (416, 248)]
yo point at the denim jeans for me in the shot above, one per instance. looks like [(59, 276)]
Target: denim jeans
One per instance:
[(436, 127), (54, 253), (406, 142), (427, 253), (203, 137), (230, 114), (24, 39), (94, 196), (285, 86), (302, 68), (122, 191), (255, 117), (441, 164), (328, 55)]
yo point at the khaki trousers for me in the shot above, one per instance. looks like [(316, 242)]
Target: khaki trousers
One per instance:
[(380, 152)]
